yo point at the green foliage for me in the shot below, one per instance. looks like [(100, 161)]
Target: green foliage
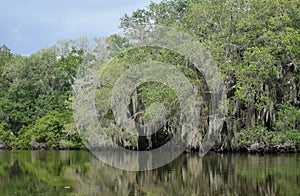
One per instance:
[(288, 118), (6, 136), (254, 134), (288, 125), (49, 131), (145, 94), (255, 44), (287, 139), (31, 88)]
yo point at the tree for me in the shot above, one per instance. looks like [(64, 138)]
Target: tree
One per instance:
[(256, 45), (34, 86)]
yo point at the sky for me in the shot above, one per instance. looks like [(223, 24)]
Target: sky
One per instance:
[(26, 26)]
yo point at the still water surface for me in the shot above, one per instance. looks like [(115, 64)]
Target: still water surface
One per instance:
[(80, 173)]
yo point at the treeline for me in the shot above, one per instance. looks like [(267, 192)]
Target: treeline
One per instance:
[(256, 44), (35, 103)]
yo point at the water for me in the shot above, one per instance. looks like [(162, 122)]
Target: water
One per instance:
[(80, 173)]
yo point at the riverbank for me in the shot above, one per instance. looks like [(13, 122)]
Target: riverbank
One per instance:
[(255, 148)]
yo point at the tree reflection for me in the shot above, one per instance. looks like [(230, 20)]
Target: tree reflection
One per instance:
[(80, 173)]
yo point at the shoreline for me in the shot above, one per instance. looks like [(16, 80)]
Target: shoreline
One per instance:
[(191, 152)]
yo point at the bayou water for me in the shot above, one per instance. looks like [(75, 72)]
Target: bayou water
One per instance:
[(81, 173)]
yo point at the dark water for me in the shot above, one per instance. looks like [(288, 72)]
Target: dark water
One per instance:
[(80, 173)]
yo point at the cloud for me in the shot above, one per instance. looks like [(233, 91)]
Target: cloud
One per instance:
[(27, 26)]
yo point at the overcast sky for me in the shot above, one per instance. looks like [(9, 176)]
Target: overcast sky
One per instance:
[(30, 25)]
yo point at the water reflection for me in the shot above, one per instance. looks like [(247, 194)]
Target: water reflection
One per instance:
[(80, 173)]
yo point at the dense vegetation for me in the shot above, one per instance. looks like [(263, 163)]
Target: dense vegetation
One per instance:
[(35, 99), (255, 43)]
